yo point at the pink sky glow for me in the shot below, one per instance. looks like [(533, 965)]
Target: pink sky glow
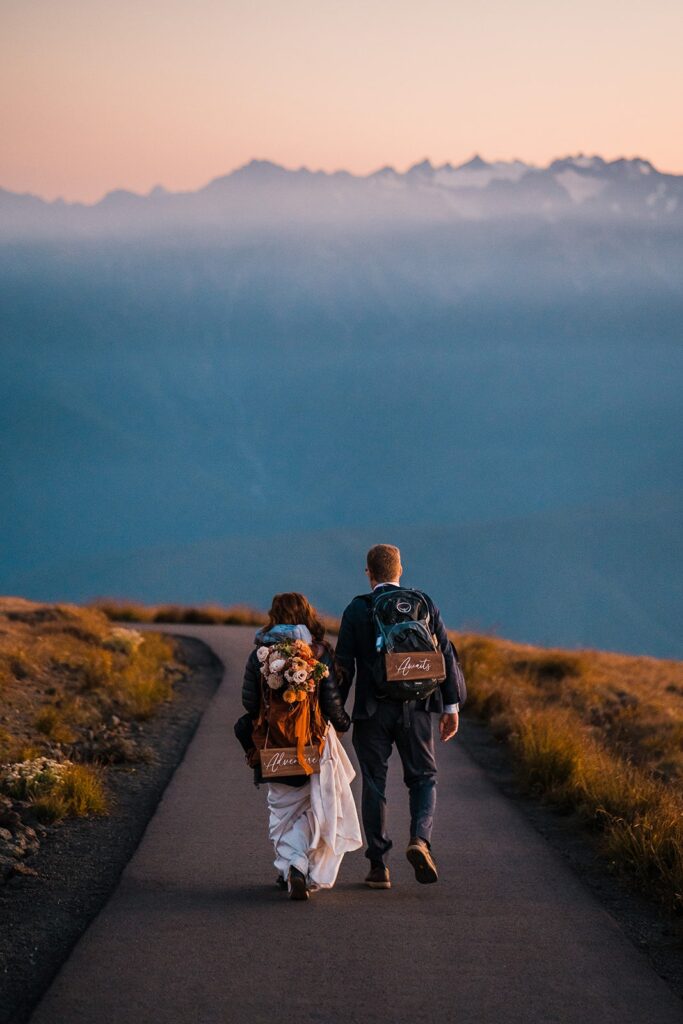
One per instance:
[(97, 95)]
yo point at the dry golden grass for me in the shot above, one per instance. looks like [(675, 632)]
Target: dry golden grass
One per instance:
[(50, 722), (81, 793), (213, 615), (56, 790), (596, 733), (140, 686), (64, 672), (209, 614)]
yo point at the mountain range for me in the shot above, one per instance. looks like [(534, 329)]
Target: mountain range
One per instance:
[(261, 192)]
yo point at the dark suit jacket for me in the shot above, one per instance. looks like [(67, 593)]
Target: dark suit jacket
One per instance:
[(355, 653)]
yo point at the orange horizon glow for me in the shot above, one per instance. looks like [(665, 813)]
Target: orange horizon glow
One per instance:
[(98, 96)]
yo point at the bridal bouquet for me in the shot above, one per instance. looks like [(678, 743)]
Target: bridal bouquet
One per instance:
[(290, 664)]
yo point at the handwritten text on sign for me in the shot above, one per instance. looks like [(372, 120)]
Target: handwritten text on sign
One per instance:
[(283, 761), (422, 665)]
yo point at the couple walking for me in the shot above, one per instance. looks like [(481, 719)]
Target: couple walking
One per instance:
[(295, 690)]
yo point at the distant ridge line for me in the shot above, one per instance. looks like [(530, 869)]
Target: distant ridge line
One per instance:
[(258, 167), (262, 193)]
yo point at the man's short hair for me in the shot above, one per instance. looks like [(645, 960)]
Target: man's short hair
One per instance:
[(384, 562)]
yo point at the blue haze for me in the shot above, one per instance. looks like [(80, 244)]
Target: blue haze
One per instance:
[(217, 414)]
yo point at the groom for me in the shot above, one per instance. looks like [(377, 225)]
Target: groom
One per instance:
[(379, 723)]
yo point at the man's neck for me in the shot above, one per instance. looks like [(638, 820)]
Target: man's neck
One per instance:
[(387, 583)]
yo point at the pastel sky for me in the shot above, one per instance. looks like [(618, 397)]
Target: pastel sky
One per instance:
[(103, 94)]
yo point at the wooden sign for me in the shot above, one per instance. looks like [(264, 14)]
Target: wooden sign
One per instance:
[(416, 665), (283, 761)]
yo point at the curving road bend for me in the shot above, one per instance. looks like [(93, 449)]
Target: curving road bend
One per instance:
[(196, 932)]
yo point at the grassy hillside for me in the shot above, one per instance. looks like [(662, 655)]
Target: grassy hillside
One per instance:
[(206, 614), (72, 687), (597, 734)]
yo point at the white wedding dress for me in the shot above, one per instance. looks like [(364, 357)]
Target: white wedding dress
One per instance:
[(314, 825)]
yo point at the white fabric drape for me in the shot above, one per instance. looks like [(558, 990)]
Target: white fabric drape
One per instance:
[(314, 825)]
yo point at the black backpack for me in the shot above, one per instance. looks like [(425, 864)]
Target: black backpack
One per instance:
[(409, 664)]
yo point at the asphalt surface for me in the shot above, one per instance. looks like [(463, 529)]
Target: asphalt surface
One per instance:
[(197, 933)]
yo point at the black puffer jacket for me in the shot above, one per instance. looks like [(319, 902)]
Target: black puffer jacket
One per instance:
[(329, 694)]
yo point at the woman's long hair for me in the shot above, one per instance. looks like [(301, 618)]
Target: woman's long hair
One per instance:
[(294, 609)]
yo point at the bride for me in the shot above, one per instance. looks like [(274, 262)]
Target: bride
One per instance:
[(290, 691)]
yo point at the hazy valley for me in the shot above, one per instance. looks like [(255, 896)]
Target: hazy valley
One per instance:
[(221, 405)]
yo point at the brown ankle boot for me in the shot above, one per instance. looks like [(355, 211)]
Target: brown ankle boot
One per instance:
[(378, 877), (420, 856)]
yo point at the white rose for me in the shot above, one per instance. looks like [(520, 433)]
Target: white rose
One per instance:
[(277, 664), (300, 676), (289, 676), (274, 682), (262, 653)]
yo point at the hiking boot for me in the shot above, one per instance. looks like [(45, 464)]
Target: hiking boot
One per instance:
[(281, 883), (420, 856), (298, 889), (378, 877)]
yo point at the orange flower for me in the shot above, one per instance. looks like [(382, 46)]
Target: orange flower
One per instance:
[(289, 696)]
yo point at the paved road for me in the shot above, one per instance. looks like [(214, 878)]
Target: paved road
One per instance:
[(196, 932)]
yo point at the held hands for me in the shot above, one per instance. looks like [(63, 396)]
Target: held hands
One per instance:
[(448, 726)]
